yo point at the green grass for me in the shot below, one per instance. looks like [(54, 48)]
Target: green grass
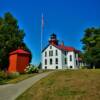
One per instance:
[(66, 85), (19, 78)]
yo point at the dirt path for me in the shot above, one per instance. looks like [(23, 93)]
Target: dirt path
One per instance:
[(11, 91)]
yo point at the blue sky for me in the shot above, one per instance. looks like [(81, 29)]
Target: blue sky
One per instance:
[(67, 18)]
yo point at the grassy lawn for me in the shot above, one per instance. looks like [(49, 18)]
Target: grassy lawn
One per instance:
[(20, 78), (66, 85)]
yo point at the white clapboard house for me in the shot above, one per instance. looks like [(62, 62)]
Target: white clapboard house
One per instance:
[(59, 56)]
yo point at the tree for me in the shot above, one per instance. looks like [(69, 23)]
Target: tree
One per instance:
[(91, 47), (11, 37)]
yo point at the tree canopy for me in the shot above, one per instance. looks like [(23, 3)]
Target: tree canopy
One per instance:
[(91, 47), (11, 37)]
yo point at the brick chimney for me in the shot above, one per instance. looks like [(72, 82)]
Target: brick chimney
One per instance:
[(62, 43)]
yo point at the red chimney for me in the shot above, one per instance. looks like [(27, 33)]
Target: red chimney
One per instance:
[(62, 43)]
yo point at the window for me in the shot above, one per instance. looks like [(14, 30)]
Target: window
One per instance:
[(56, 52), (71, 67), (45, 54), (76, 62), (70, 57), (75, 55), (45, 61), (56, 60), (65, 60), (50, 61), (45, 67), (50, 53), (65, 53), (56, 67), (50, 47)]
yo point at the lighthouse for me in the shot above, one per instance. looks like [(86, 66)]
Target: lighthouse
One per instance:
[(59, 56)]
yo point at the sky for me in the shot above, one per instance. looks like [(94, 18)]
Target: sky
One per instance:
[(68, 19)]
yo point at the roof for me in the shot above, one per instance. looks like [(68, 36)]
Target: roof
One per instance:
[(19, 51), (45, 47), (67, 48), (64, 48)]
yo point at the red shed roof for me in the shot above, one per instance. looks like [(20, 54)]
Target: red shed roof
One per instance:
[(19, 51)]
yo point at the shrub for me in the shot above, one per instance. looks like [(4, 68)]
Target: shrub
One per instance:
[(83, 67), (31, 69), (3, 75), (13, 75)]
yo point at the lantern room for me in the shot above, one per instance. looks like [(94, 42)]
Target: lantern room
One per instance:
[(53, 39), (18, 60)]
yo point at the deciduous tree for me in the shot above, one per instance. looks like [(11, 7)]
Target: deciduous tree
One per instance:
[(11, 37), (91, 47)]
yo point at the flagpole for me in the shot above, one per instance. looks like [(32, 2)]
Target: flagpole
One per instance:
[(41, 32), (42, 25)]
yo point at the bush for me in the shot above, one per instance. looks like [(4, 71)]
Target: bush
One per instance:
[(13, 75), (31, 69), (83, 67), (3, 75)]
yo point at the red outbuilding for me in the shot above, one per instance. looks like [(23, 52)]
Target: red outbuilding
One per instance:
[(18, 60)]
